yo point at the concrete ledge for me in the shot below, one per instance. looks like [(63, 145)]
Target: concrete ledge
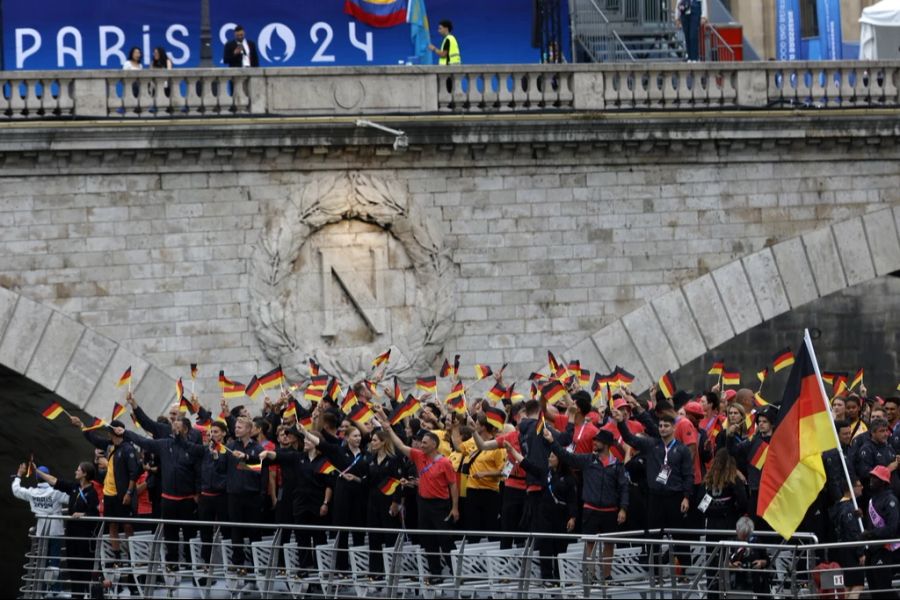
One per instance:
[(23, 334), (586, 351), (711, 316), (106, 393), (155, 391), (765, 281), (824, 261), (796, 274), (85, 369), (854, 251), (57, 345), (617, 349), (680, 327), (881, 232), (8, 301), (737, 296), (650, 340)]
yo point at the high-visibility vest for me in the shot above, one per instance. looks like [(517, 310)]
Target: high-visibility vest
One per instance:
[(452, 57)]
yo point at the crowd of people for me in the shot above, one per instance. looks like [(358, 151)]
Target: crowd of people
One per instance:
[(567, 462)]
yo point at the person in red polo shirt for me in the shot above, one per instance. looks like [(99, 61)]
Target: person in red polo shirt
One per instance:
[(438, 500)]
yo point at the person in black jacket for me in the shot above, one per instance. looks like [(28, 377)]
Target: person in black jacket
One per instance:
[(240, 52), (670, 470), (605, 488), (244, 487), (80, 535), (723, 500), (845, 519), (213, 502), (874, 452), (748, 452), (384, 468), (177, 459), (119, 483), (162, 427), (882, 519)]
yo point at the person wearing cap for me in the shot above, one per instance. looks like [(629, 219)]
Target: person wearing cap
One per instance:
[(604, 491), (881, 519), (44, 501), (122, 471), (178, 458), (619, 403), (874, 451), (694, 437)]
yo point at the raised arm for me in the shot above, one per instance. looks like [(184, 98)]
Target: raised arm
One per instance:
[(385, 424)]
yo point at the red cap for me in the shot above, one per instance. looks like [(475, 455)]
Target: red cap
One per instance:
[(728, 395), (620, 404), (882, 473), (694, 408)]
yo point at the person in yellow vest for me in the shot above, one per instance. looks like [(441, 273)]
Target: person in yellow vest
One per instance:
[(449, 50)]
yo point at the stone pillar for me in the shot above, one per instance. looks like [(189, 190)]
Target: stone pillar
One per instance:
[(90, 97), (752, 88)]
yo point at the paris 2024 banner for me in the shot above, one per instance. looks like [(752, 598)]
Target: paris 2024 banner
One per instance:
[(98, 34)]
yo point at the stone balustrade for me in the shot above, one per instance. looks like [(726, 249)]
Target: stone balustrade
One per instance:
[(481, 89)]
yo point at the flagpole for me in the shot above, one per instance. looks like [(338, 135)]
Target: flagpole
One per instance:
[(812, 355)]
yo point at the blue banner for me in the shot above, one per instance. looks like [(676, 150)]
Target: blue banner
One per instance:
[(319, 33), (829, 17), (787, 29), (93, 34)]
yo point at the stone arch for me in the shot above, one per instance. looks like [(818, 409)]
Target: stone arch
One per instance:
[(686, 322), (75, 362)]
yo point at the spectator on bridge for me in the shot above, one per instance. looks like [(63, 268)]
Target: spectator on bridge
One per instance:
[(689, 15), (448, 53), (882, 519), (239, 51), (45, 501), (161, 59), (133, 62)]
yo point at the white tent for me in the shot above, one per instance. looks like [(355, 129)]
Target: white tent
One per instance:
[(879, 31)]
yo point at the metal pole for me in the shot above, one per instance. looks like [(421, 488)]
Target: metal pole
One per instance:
[(205, 36)]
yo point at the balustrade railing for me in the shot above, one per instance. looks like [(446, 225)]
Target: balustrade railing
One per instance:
[(479, 89)]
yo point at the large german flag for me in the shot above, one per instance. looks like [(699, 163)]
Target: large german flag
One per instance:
[(794, 474)]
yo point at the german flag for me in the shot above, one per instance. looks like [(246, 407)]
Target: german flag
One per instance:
[(290, 411), (125, 379), (194, 371), (389, 487), (759, 401), (53, 411), (446, 369), (135, 421), (222, 418), (575, 368), (319, 382), (118, 411), (541, 423), (717, 368), (184, 406), (857, 379), (667, 384), (553, 392), (840, 387), (313, 367), (762, 375), (314, 394), (179, 389), (584, 377), (256, 468), (495, 417), (408, 408), (830, 376), (759, 457), (219, 447), (96, 424), (326, 468), (783, 358), (598, 383), (224, 382), (482, 371), (496, 393), (235, 390), (534, 390), (458, 391), (333, 390), (306, 422), (253, 388), (512, 395), (203, 426), (350, 400), (562, 374), (622, 376), (362, 414), (457, 404), (716, 427), (731, 378), (536, 377), (427, 384), (272, 379), (552, 362), (794, 473), (382, 358), (398, 393)]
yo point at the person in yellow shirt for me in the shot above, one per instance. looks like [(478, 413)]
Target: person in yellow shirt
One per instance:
[(480, 475), (449, 50)]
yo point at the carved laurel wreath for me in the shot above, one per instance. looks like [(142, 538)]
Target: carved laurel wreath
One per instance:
[(330, 199)]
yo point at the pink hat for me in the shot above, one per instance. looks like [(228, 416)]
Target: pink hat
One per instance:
[(620, 404), (728, 395), (694, 408), (882, 473)]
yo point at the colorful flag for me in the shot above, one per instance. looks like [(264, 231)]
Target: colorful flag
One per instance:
[(446, 369), (203, 426), (314, 395), (575, 368), (584, 377), (457, 404), (458, 391), (350, 400), (782, 359), (759, 401), (512, 395), (427, 384), (125, 379), (419, 32), (362, 414), (193, 370), (553, 392), (390, 486), (731, 378), (382, 358), (306, 422), (179, 390), (456, 365), (539, 428), (53, 411), (135, 421), (96, 424), (326, 468), (398, 394), (552, 362), (222, 418), (795, 474), (220, 448), (256, 468), (377, 13), (840, 387), (717, 368), (253, 388), (537, 377), (762, 375), (406, 409), (272, 379), (291, 411), (235, 390), (333, 389), (482, 371), (184, 406), (313, 367), (667, 384), (495, 416), (118, 411), (224, 382), (496, 393), (623, 377), (759, 457), (318, 382), (857, 379)]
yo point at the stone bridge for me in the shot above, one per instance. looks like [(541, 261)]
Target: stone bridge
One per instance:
[(631, 216)]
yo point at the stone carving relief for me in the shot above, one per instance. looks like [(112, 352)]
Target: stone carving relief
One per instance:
[(349, 267)]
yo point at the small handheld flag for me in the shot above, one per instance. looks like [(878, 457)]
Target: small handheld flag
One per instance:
[(382, 358), (427, 384), (762, 375), (482, 371), (193, 370), (236, 390), (446, 369), (253, 388), (350, 400), (117, 411), (272, 379), (96, 424), (495, 417), (759, 457), (553, 392), (313, 367), (407, 409), (667, 385), (496, 393), (326, 468), (782, 359), (184, 406), (224, 382), (179, 390), (623, 377), (731, 378), (857, 379), (125, 379), (291, 411), (717, 368), (390, 486), (362, 414), (53, 411)]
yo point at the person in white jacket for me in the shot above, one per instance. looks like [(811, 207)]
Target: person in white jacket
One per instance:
[(45, 501)]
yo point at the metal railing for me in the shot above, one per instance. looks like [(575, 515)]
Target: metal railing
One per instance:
[(715, 48), (296, 561), (595, 35), (480, 89)]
